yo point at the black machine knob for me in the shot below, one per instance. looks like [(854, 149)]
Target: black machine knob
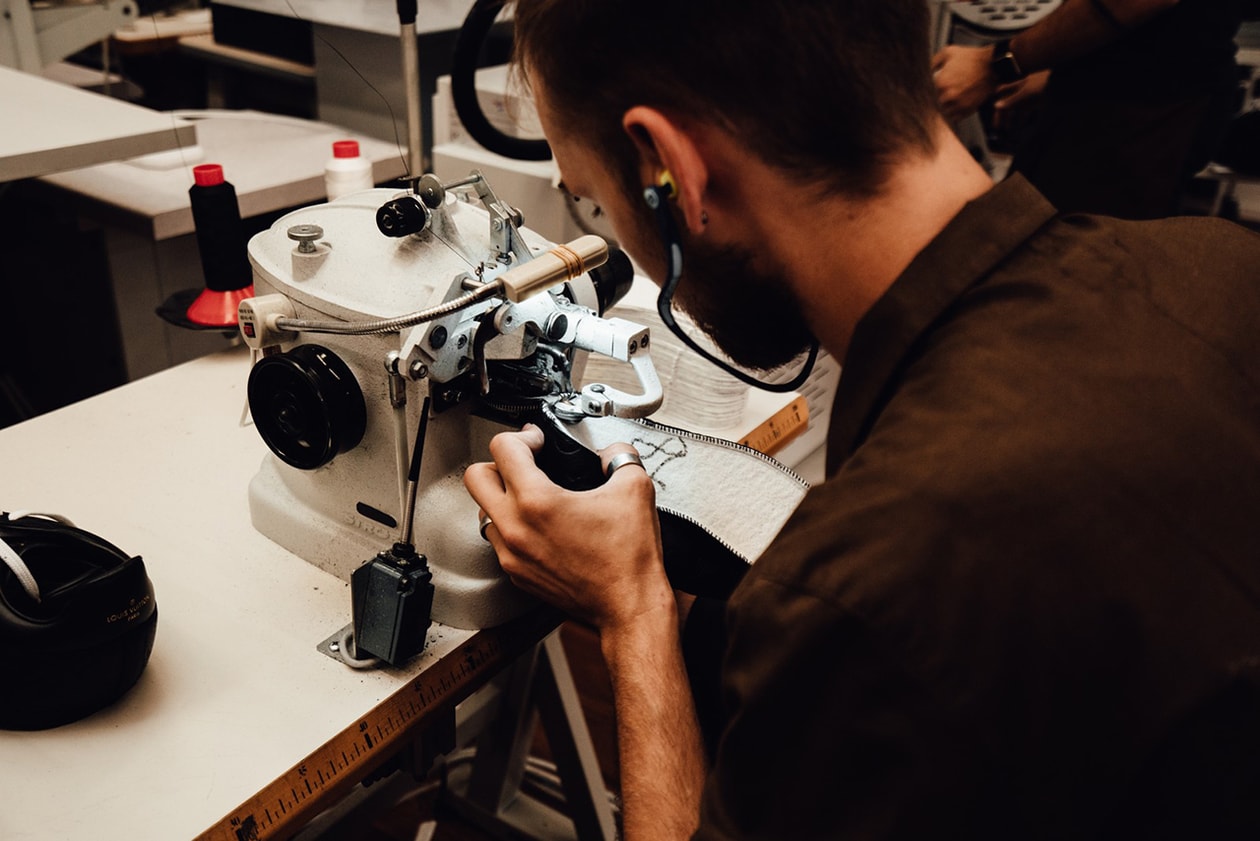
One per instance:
[(402, 217)]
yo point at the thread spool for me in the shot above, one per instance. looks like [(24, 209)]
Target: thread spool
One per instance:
[(221, 242)]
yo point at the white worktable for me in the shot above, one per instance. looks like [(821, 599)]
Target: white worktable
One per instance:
[(49, 127), (235, 693), (273, 161)]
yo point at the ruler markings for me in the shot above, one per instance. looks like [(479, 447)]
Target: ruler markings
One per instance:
[(447, 681)]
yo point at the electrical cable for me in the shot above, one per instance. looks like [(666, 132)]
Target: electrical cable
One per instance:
[(657, 198), (468, 43), (344, 646), (393, 119)]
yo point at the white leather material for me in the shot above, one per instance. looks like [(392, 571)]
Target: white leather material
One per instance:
[(738, 495)]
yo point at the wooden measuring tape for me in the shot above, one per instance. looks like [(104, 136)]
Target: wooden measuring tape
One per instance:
[(292, 800)]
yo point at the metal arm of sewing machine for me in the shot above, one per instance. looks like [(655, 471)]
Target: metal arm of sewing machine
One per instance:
[(522, 322)]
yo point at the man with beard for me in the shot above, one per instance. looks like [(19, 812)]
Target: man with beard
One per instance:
[(1026, 601)]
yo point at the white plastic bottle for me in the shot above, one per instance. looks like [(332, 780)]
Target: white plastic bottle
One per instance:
[(347, 171)]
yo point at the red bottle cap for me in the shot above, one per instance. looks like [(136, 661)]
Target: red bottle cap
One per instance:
[(208, 175), (345, 149)]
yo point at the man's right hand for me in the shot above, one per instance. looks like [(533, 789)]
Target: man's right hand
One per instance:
[(594, 554)]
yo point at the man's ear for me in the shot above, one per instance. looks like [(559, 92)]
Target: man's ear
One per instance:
[(667, 146)]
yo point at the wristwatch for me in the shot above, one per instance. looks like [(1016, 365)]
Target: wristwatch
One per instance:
[(1004, 66)]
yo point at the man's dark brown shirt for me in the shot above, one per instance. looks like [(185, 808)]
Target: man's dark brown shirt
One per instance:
[(1026, 602)]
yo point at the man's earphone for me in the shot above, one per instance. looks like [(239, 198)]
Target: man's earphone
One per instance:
[(664, 189)]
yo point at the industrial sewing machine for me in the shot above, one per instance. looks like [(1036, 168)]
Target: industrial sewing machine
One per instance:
[(396, 333), (391, 325)]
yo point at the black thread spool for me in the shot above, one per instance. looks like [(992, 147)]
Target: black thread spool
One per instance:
[(221, 242)]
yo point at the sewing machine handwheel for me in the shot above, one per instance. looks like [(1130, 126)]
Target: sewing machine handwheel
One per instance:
[(307, 405)]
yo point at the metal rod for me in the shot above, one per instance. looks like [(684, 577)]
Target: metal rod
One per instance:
[(411, 80), (463, 182), (413, 476)]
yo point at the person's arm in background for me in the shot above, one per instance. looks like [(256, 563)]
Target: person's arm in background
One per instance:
[(597, 556), (964, 77), (1010, 95)]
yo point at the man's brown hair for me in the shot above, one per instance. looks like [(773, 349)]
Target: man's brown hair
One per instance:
[(830, 90)]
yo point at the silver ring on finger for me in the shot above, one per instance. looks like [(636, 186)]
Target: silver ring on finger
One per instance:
[(621, 460)]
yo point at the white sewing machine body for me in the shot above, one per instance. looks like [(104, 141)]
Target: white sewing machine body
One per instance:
[(334, 489)]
